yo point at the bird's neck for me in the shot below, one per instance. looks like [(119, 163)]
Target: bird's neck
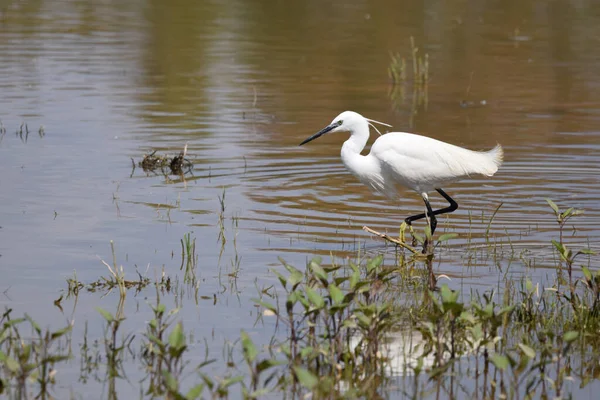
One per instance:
[(353, 146)]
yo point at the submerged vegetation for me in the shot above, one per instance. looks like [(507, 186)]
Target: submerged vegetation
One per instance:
[(420, 66), (401, 81), (22, 132), (365, 328)]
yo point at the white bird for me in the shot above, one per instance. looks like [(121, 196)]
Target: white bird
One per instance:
[(406, 159)]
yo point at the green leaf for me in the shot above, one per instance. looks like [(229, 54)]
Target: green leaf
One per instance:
[(34, 375), (170, 382), (374, 263), (194, 392), (558, 246), (428, 232), (25, 352), (339, 280), (528, 351), (56, 359), (553, 205), (506, 310), (295, 276), (447, 236), (248, 347), (488, 310), (107, 316), (292, 299), (208, 381), (477, 332), (34, 324), (586, 273), (363, 319), (317, 260), (28, 367), (282, 279), (529, 285), (418, 237), (302, 299), (349, 323), (355, 277), (177, 337), (562, 250), (266, 364), (206, 362), (14, 322), (153, 339), (11, 363), (258, 394), (319, 272), (231, 381), (450, 300), (363, 287), (448, 296), (588, 252), (570, 336), (500, 361), (567, 212), (336, 294), (292, 270), (315, 298), (306, 378), (467, 316), (266, 305), (307, 351), (61, 332)]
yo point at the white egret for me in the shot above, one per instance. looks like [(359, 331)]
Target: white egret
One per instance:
[(405, 159)]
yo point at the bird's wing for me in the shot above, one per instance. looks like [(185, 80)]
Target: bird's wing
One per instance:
[(423, 163)]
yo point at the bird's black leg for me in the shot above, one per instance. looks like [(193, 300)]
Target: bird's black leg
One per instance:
[(432, 221), (431, 215), (452, 207)]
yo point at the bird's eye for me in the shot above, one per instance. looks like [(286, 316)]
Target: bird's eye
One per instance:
[(340, 122)]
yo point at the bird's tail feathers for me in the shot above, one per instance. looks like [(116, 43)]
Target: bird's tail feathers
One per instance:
[(494, 159)]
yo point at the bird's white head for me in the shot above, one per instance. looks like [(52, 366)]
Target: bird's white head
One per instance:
[(348, 121)]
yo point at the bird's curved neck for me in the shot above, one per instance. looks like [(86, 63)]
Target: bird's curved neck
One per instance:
[(355, 144)]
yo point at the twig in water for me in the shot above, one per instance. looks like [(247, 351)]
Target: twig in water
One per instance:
[(390, 239)]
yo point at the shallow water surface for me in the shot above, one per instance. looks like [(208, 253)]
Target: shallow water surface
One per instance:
[(243, 84)]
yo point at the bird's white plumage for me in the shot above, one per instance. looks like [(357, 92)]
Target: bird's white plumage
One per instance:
[(417, 162)]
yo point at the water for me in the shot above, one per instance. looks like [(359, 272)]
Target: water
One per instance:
[(243, 85)]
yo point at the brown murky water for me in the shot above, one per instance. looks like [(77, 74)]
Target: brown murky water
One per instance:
[(243, 83)]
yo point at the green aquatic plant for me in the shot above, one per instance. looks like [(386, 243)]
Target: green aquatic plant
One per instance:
[(336, 321), (566, 254), (115, 280), (420, 66), (28, 362), (368, 327), (189, 258), (117, 274), (397, 71)]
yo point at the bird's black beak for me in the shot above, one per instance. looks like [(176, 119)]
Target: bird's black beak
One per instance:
[(320, 133)]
